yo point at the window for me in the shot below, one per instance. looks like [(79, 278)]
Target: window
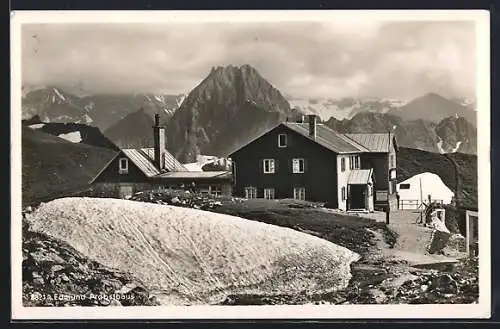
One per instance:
[(123, 166), (342, 164), (268, 166), (269, 193), (298, 166), (299, 193), (381, 195), (215, 190), (404, 186), (354, 162), (250, 192), (343, 193), (281, 140)]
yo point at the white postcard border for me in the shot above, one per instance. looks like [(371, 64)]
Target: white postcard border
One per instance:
[(480, 310)]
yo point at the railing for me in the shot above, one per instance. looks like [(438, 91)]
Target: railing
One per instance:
[(415, 204)]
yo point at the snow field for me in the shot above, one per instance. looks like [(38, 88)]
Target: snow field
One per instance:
[(74, 136), (192, 256)]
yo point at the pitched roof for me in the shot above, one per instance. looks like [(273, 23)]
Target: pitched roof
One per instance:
[(374, 142), (360, 176), (327, 137), (144, 160), (196, 174), (171, 163)]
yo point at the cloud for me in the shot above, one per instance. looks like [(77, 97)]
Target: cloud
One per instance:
[(331, 59)]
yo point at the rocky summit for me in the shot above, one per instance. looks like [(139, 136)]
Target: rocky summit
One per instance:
[(230, 106)]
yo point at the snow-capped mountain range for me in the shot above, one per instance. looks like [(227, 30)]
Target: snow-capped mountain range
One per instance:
[(235, 103), (343, 108), (348, 107), (53, 104)]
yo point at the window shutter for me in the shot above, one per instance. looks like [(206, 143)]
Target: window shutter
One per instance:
[(305, 165), (261, 166), (290, 165), (276, 165)]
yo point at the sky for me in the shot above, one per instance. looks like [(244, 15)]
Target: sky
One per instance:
[(332, 59)]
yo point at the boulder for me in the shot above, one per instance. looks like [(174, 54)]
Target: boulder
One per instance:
[(444, 283)]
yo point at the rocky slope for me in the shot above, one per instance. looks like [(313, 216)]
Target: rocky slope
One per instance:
[(133, 131), (443, 137), (434, 108), (230, 106), (75, 132), (54, 105), (102, 110), (456, 134), (52, 166), (109, 109)]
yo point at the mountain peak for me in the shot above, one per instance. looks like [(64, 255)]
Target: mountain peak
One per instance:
[(435, 108), (433, 95), (232, 67), (231, 103)]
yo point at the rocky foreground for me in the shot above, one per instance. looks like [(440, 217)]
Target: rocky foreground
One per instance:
[(55, 274), (51, 269)]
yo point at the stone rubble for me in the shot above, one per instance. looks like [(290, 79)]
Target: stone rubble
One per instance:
[(54, 274)]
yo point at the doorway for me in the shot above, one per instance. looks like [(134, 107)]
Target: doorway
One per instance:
[(357, 197)]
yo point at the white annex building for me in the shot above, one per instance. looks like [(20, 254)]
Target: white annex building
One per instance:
[(417, 189)]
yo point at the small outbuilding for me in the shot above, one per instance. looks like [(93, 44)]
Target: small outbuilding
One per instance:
[(417, 189)]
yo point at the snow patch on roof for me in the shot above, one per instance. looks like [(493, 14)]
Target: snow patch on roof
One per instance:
[(194, 166)]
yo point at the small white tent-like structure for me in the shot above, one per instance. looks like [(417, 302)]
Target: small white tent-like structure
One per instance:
[(417, 189)]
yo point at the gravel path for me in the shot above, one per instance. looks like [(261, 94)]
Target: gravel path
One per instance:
[(413, 239)]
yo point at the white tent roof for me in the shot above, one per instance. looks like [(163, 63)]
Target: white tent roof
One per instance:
[(431, 184)]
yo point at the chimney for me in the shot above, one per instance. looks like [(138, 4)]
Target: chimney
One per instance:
[(159, 144), (312, 125)]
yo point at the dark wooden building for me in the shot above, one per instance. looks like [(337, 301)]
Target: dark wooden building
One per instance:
[(155, 168), (310, 161)]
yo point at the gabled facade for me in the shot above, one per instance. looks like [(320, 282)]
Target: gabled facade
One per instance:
[(132, 170), (382, 158), (312, 162)]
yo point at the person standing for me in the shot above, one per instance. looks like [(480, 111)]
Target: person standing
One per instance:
[(398, 197)]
